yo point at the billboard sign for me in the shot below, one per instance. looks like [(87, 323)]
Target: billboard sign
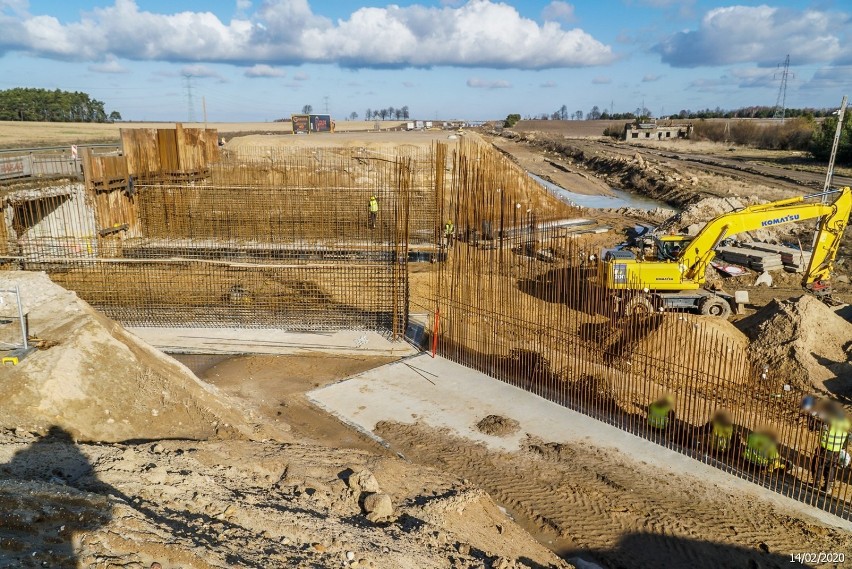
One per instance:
[(301, 124), (320, 123)]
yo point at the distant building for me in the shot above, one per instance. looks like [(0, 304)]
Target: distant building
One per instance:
[(651, 131)]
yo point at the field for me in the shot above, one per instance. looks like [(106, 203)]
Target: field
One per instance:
[(31, 134)]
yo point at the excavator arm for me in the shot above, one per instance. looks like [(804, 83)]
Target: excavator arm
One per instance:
[(833, 219)]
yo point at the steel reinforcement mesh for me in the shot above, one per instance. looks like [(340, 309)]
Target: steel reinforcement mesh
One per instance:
[(522, 305), (267, 238)]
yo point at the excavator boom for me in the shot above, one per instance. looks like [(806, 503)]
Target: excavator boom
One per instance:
[(834, 217)]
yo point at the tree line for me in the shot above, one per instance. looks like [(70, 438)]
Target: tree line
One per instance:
[(753, 112), (389, 113), (26, 104)]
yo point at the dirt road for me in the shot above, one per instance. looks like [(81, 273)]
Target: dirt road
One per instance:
[(606, 507)]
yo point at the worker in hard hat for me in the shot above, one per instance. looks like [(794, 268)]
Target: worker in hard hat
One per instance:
[(831, 454), (661, 413), (449, 232), (373, 210), (761, 451)]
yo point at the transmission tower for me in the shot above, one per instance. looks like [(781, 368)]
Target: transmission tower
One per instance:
[(190, 106), (781, 100), (325, 100)]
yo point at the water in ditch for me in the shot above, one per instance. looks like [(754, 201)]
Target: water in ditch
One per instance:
[(618, 199)]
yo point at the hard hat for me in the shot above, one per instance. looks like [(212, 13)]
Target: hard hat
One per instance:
[(372, 197), (669, 398)]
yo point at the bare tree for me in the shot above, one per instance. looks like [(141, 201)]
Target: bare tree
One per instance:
[(353, 116)]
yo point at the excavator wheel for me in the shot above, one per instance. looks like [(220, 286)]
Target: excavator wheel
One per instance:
[(638, 306), (715, 306)]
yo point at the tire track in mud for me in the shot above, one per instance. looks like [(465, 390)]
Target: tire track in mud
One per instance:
[(596, 503)]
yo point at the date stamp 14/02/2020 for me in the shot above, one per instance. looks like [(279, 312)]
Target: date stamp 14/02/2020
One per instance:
[(818, 557)]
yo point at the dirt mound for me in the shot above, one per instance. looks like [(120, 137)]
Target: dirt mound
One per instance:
[(694, 217), (498, 426), (101, 383), (240, 504), (804, 342), (663, 347)]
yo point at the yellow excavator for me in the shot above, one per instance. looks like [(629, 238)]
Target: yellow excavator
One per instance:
[(674, 277)]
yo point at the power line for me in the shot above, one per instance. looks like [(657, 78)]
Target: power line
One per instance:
[(781, 100), (190, 107)]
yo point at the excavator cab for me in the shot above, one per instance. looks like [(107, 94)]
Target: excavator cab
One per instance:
[(669, 247)]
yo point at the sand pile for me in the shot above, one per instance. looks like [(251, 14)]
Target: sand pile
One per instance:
[(242, 504), (101, 383), (803, 342), (667, 349)]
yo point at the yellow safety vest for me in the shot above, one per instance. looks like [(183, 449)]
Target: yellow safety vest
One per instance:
[(834, 434), (761, 451), (448, 229), (374, 206), (658, 415), (722, 436)]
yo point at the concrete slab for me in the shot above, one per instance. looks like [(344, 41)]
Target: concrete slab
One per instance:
[(269, 341), (442, 394)]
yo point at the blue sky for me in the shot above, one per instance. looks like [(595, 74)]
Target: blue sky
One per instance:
[(258, 60)]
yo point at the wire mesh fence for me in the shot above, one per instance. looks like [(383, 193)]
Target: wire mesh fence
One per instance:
[(523, 302)]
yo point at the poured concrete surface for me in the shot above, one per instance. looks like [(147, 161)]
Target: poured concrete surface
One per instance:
[(445, 395), (269, 341)]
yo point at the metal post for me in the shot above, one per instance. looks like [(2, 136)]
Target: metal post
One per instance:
[(21, 317), (830, 174)]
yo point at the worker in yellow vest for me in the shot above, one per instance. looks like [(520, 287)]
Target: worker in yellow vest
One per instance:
[(720, 433), (449, 232), (373, 210), (830, 456), (661, 413), (762, 451)]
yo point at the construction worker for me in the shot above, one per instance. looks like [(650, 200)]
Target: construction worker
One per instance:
[(721, 432), (373, 210), (831, 455), (449, 232), (762, 451), (661, 413)]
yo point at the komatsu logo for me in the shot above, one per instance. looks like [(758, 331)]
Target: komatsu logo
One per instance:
[(777, 220)]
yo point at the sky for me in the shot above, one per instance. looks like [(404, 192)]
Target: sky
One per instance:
[(260, 60)]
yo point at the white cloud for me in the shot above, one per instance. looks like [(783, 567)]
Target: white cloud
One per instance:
[(601, 80), (408, 84), (301, 76), (197, 70), (477, 83), (837, 79), (263, 70), (758, 34), (479, 33), (243, 5), (109, 65), (548, 85), (558, 11), (650, 78)]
